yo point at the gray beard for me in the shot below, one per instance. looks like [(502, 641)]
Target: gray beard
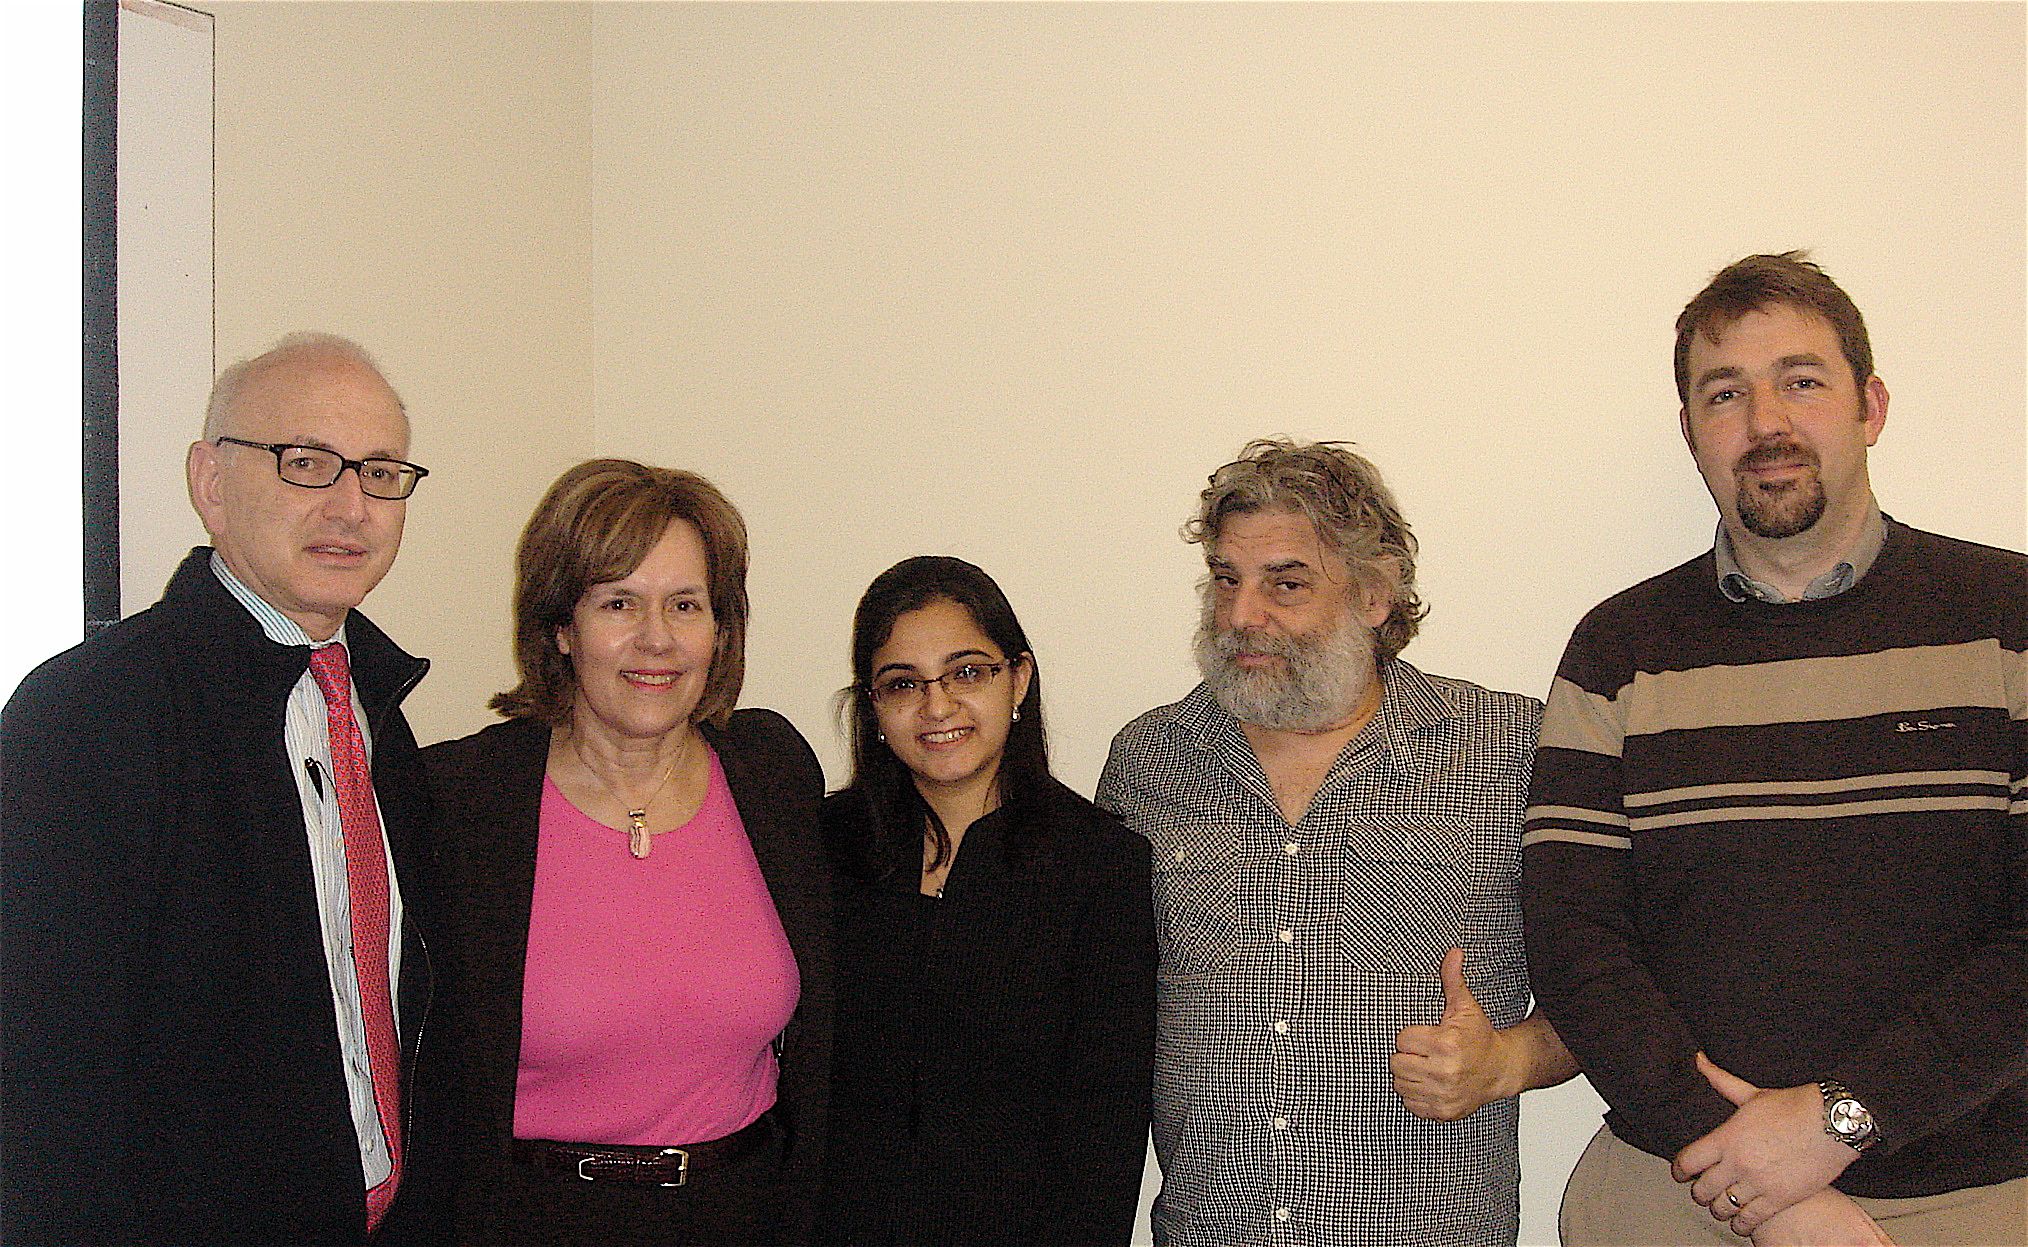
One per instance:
[(1320, 685)]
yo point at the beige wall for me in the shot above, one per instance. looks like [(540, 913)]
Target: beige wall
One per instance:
[(1006, 281), (418, 176)]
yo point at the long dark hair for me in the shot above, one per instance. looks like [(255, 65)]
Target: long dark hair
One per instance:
[(898, 818)]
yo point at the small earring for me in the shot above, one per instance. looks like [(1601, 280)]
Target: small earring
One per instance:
[(882, 736), (1017, 714)]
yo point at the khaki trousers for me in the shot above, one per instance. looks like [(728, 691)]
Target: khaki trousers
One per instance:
[(1619, 1196)]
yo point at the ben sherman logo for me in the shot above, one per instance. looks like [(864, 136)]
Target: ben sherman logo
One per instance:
[(1921, 725)]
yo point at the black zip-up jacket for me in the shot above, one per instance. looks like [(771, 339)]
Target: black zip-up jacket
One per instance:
[(169, 1061)]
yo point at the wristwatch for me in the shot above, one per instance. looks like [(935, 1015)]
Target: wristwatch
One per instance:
[(1846, 1119)]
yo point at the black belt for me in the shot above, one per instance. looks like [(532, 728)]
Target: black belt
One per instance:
[(645, 1166)]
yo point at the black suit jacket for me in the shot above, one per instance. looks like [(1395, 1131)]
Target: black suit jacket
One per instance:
[(995, 1049), (490, 790), (169, 1064)]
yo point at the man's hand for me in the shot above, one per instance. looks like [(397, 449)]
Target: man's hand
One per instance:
[(1770, 1154), (1448, 1071), (1826, 1219)]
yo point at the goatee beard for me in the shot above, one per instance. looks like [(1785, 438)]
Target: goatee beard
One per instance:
[(1780, 510), (1319, 685)]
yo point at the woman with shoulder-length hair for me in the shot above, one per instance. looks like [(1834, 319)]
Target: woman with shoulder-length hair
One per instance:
[(632, 1035), (996, 946)]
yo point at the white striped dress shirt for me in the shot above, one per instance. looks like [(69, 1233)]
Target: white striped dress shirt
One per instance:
[(306, 736)]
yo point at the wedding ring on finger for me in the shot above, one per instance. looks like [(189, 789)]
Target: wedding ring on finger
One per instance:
[(1734, 1200)]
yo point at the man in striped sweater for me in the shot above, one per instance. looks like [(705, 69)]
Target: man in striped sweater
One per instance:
[(1776, 857)]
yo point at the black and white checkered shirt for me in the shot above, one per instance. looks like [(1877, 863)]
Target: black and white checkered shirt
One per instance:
[(1291, 956)]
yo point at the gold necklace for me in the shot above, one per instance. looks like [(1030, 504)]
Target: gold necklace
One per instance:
[(640, 841)]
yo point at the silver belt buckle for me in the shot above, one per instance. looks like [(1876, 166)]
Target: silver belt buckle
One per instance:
[(682, 1168)]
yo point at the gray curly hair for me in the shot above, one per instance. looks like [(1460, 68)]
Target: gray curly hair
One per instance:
[(1342, 494)]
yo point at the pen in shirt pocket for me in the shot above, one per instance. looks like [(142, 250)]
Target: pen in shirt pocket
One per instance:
[(316, 776)]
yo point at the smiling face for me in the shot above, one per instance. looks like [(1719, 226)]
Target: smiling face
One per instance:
[(1778, 424), (312, 554), (640, 648), (1286, 640), (951, 741)]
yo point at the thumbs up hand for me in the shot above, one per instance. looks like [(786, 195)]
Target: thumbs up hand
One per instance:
[(1446, 1072)]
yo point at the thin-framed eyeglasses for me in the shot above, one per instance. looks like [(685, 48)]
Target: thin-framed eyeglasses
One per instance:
[(314, 467), (900, 689)]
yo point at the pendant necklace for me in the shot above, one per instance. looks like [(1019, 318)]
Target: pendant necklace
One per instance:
[(640, 841)]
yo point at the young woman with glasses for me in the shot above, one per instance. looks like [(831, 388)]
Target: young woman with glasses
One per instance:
[(996, 946)]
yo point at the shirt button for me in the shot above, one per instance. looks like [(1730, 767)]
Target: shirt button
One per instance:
[(1281, 1028), (1285, 935), (1281, 1214), (1179, 854), (1281, 1123), (1290, 848)]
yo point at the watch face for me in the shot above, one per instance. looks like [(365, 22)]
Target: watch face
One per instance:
[(1850, 1119)]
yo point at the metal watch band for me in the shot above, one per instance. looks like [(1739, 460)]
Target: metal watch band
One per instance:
[(1846, 1118)]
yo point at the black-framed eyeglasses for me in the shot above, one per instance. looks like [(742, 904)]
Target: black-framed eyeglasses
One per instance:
[(911, 690), (314, 467)]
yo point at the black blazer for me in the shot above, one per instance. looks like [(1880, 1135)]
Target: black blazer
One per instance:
[(490, 786), (169, 1064), (995, 1053)]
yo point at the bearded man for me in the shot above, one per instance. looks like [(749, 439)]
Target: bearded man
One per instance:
[(1343, 1000)]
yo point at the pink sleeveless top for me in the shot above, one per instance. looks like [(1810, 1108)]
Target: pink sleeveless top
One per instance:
[(654, 987)]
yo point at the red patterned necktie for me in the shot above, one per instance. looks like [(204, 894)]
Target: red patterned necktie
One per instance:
[(366, 883)]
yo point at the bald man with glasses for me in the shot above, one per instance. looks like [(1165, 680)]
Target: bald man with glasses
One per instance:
[(211, 815)]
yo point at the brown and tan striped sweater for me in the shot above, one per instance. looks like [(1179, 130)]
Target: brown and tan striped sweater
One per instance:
[(1796, 837)]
